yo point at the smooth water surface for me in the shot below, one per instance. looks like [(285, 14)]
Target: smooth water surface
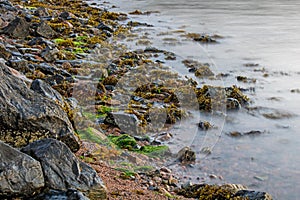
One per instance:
[(266, 33)]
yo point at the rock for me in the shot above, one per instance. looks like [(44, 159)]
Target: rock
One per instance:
[(19, 65), (4, 53), (41, 12), (27, 116), (18, 28), (71, 194), (44, 89), (253, 195), (186, 155), (20, 175), (50, 54), (45, 30), (63, 171), (40, 41), (126, 122)]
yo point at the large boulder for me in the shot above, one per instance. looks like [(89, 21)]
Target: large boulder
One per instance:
[(18, 28), (27, 116), (62, 170), (20, 175)]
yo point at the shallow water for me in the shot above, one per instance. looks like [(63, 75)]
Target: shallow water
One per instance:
[(264, 33)]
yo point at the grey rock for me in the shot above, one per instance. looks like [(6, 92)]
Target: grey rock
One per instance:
[(18, 28), (253, 195), (50, 54), (126, 122), (62, 170), (27, 116), (44, 89), (45, 30), (20, 175)]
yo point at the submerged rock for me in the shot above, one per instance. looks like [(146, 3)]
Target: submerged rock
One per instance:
[(253, 195), (27, 116), (20, 175), (63, 171)]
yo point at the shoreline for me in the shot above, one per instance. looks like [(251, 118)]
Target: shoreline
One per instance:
[(75, 43)]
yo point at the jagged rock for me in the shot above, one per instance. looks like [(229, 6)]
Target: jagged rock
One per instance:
[(44, 89), (62, 170), (253, 195), (18, 28), (27, 116), (20, 175), (61, 195), (45, 30)]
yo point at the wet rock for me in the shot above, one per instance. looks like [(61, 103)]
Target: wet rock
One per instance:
[(253, 195), (27, 116), (250, 133), (203, 71), (70, 194), (233, 104), (20, 175), (186, 155), (18, 28), (45, 30), (50, 54), (44, 89), (63, 171)]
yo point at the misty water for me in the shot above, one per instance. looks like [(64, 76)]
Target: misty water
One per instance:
[(261, 41)]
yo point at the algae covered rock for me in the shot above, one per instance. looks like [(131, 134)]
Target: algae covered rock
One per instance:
[(27, 116), (63, 171), (20, 175)]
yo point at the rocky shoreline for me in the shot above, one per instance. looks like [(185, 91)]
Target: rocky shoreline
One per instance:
[(67, 121)]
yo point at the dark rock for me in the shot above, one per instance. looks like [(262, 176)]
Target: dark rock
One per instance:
[(50, 54), (71, 194), (62, 170), (44, 89), (19, 65), (55, 79), (20, 175), (45, 30), (18, 28), (103, 27), (40, 41), (47, 68), (27, 116), (253, 195), (126, 122)]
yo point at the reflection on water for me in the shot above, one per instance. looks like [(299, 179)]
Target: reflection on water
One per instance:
[(262, 32)]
